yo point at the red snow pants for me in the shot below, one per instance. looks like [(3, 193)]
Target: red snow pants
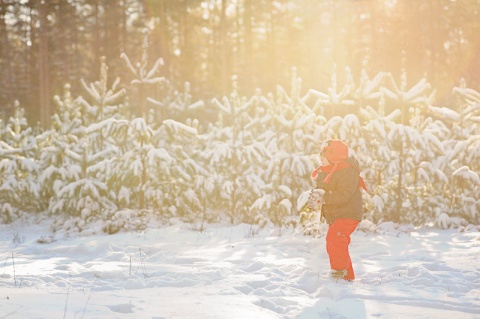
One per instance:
[(338, 239)]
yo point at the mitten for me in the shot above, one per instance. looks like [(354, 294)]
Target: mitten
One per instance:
[(315, 199)]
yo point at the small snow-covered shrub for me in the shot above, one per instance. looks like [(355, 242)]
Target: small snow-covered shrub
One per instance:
[(7, 213), (313, 224), (126, 220), (444, 221), (366, 226), (46, 239)]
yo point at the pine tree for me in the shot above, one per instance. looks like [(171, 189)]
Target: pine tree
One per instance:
[(402, 138), (143, 78), (464, 156), (80, 148), (291, 139), (101, 108), (236, 156), (81, 193), (374, 155), (132, 172), (176, 105), (65, 133), (19, 168), (190, 188)]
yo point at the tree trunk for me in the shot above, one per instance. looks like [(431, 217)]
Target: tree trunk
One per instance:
[(6, 86), (247, 74), (97, 40), (399, 204), (224, 49), (43, 65)]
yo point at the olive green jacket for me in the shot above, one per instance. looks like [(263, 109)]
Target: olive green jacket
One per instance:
[(343, 198)]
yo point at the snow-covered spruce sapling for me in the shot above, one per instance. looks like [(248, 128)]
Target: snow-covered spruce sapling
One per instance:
[(176, 105), (465, 199), (132, 166), (274, 205), (103, 103), (235, 155), (429, 182), (336, 101), (463, 155), (182, 188), (65, 132), (401, 140), (19, 168), (368, 91), (374, 155), (143, 78), (404, 98), (401, 136), (82, 193), (143, 178), (289, 139), (79, 147), (469, 108)]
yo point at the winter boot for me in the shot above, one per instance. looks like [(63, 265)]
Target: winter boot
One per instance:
[(341, 274)]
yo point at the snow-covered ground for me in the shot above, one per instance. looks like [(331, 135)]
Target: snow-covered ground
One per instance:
[(236, 272)]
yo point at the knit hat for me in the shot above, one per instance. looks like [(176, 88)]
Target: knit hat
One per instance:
[(335, 151)]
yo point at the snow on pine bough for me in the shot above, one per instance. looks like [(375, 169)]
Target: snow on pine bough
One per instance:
[(310, 219)]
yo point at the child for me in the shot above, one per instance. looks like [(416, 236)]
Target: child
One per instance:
[(338, 185)]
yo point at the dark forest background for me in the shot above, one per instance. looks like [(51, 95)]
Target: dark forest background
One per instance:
[(45, 44)]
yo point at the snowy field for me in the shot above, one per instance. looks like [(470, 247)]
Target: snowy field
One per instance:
[(236, 272)]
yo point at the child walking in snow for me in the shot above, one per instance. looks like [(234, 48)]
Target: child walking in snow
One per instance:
[(338, 185)]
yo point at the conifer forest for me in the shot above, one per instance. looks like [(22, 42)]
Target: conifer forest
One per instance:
[(215, 110)]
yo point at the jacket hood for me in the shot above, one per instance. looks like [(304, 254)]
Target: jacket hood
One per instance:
[(353, 163), (335, 151)]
